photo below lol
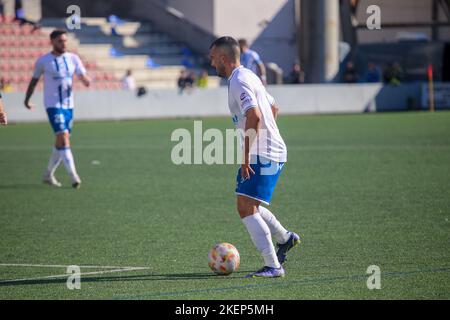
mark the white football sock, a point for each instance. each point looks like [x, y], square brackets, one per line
[278, 231]
[53, 162]
[69, 163]
[260, 234]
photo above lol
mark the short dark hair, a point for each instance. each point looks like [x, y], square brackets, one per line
[243, 42]
[230, 45]
[56, 33]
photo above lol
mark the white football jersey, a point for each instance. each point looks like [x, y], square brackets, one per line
[58, 74]
[246, 91]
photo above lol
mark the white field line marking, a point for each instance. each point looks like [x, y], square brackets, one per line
[81, 274]
[60, 266]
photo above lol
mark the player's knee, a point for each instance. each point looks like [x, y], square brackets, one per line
[240, 211]
[62, 140]
[245, 209]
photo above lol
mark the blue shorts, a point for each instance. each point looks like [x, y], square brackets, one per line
[60, 119]
[261, 185]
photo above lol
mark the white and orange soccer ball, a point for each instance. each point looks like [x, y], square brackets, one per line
[224, 259]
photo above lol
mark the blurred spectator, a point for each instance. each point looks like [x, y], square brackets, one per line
[393, 74]
[128, 82]
[20, 15]
[141, 91]
[2, 11]
[202, 81]
[373, 73]
[353, 11]
[182, 81]
[190, 80]
[350, 74]
[114, 21]
[5, 85]
[185, 81]
[296, 76]
[250, 59]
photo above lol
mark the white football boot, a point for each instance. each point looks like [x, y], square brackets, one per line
[51, 180]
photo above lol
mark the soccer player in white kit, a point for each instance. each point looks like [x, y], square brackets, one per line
[59, 68]
[254, 110]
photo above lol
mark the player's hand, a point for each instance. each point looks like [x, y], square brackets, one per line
[246, 171]
[28, 105]
[3, 118]
[86, 80]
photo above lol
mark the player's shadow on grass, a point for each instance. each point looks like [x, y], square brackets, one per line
[138, 277]
[31, 186]
[22, 186]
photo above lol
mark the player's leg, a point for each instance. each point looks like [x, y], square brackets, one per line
[63, 146]
[53, 163]
[55, 157]
[260, 235]
[286, 240]
[277, 230]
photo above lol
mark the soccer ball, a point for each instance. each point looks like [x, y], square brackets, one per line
[224, 259]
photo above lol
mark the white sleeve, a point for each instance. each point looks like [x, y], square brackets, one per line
[38, 69]
[271, 99]
[79, 67]
[245, 96]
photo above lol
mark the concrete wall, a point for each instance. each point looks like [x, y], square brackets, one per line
[292, 99]
[199, 12]
[247, 19]
[268, 25]
[277, 41]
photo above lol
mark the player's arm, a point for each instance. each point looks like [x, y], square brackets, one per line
[261, 67]
[252, 120]
[275, 111]
[30, 90]
[3, 118]
[262, 72]
[81, 71]
[38, 71]
[85, 79]
[273, 105]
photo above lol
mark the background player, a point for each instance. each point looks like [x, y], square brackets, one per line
[252, 108]
[58, 68]
[250, 59]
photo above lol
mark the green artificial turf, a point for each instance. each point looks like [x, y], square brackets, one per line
[361, 190]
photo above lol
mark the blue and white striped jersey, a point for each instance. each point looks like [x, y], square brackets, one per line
[58, 74]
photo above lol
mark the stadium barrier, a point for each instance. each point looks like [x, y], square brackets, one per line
[292, 99]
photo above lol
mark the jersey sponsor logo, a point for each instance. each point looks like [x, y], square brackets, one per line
[243, 95]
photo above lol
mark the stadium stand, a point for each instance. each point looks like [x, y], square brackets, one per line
[20, 47]
[107, 50]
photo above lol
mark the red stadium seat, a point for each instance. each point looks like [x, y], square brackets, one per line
[14, 78]
[23, 78]
[44, 42]
[13, 54]
[5, 67]
[8, 18]
[14, 67]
